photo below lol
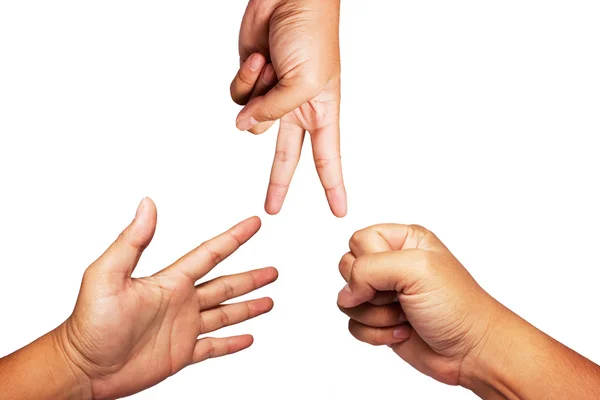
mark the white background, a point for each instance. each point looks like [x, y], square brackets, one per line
[478, 120]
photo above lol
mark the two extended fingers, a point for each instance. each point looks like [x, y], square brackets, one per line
[326, 154]
[219, 316]
[256, 86]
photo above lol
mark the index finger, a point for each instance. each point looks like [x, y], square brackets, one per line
[205, 257]
[391, 271]
[368, 241]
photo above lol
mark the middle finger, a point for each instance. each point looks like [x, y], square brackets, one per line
[218, 290]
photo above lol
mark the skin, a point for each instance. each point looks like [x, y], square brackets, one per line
[446, 326]
[290, 71]
[126, 334]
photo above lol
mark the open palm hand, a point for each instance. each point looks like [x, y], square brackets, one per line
[128, 334]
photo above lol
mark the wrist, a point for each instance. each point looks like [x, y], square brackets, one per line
[483, 370]
[78, 381]
[42, 370]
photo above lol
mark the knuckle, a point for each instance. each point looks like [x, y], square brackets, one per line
[428, 259]
[245, 78]
[378, 337]
[201, 323]
[228, 289]
[278, 185]
[224, 318]
[285, 156]
[215, 257]
[311, 84]
[235, 237]
[259, 129]
[202, 303]
[132, 239]
[255, 284]
[212, 349]
[361, 267]
[358, 238]
[322, 163]
[344, 264]
[419, 231]
[268, 114]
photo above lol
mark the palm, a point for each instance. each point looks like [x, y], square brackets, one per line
[149, 329]
[317, 113]
[128, 334]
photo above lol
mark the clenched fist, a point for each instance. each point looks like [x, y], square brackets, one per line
[406, 290]
[441, 314]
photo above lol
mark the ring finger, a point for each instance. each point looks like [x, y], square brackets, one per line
[231, 314]
[379, 336]
[216, 291]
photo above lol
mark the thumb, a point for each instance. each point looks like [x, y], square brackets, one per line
[368, 241]
[389, 271]
[283, 98]
[121, 258]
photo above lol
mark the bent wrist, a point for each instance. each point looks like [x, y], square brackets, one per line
[485, 371]
[78, 383]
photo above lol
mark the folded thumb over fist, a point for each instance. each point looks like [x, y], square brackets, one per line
[440, 316]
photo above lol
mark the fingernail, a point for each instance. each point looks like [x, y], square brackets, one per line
[247, 124]
[401, 333]
[141, 207]
[345, 297]
[255, 63]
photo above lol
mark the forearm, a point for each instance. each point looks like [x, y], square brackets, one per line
[41, 370]
[518, 361]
